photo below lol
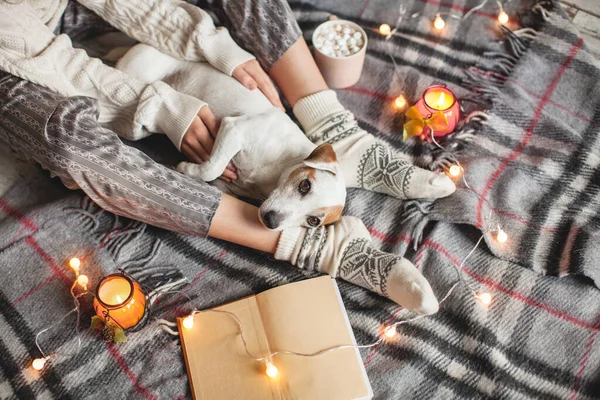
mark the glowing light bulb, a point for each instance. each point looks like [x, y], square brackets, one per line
[503, 17]
[385, 29]
[188, 322]
[83, 280]
[501, 236]
[75, 263]
[271, 370]
[400, 102]
[390, 332]
[439, 23]
[454, 171]
[485, 298]
[38, 364]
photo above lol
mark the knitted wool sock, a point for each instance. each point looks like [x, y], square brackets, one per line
[366, 162]
[344, 250]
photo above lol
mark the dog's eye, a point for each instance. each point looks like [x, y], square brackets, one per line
[313, 221]
[304, 187]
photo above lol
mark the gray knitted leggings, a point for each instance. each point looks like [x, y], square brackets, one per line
[265, 28]
[63, 135]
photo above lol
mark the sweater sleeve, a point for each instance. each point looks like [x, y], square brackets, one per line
[174, 27]
[128, 106]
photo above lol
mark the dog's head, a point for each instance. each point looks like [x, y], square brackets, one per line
[313, 194]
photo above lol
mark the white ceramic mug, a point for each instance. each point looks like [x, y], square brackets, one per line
[341, 72]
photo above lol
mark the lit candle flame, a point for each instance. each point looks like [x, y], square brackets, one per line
[440, 101]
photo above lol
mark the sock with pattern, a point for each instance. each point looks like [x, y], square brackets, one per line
[366, 162]
[344, 250]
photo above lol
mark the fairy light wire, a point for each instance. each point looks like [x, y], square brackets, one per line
[77, 309]
[165, 324]
[270, 356]
[402, 11]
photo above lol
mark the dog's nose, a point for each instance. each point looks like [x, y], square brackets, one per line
[272, 219]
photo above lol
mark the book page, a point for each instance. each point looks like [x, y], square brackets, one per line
[218, 366]
[306, 317]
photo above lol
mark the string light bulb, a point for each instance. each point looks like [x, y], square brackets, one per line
[485, 298]
[385, 29]
[400, 102]
[188, 322]
[75, 263]
[38, 364]
[501, 236]
[438, 22]
[454, 171]
[503, 17]
[390, 332]
[83, 280]
[271, 370]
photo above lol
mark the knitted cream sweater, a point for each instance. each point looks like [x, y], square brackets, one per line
[30, 50]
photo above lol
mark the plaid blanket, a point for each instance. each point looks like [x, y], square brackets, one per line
[535, 161]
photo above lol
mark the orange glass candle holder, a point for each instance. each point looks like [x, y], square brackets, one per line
[121, 300]
[435, 99]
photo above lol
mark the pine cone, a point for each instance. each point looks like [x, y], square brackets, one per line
[107, 333]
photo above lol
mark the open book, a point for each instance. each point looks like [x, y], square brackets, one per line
[304, 317]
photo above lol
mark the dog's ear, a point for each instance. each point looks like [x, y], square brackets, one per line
[323, 157]
[332, 214]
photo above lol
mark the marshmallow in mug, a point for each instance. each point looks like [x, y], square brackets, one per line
[339, 40]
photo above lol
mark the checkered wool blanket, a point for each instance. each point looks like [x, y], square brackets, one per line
[533, 155]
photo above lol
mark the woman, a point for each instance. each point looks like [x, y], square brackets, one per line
[48, 112]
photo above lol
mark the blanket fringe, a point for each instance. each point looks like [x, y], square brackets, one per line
[415, 219]
[485, 80]
[125, 241]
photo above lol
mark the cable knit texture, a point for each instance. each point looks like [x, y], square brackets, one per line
[29, 49]
[344, 250]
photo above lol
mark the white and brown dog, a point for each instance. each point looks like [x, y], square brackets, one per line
[300, 183]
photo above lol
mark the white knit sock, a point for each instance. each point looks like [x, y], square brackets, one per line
[344, 249]
[365, 161]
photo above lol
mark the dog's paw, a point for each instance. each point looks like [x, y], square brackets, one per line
[184, 168]
[204, 172]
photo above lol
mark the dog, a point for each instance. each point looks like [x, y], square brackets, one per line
[301, 183]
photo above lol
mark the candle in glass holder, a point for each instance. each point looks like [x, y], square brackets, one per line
[435, 99]
[121, 299]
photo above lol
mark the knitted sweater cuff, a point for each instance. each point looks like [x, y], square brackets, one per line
[173, 112]
[312, 109]
[224, 54]
[287, 244]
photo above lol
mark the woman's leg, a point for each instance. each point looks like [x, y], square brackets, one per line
[63, 135]
[297, 74]
[265, 28]
[269, 30]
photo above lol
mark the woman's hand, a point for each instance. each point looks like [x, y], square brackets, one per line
[198, 141]
[251, 75]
